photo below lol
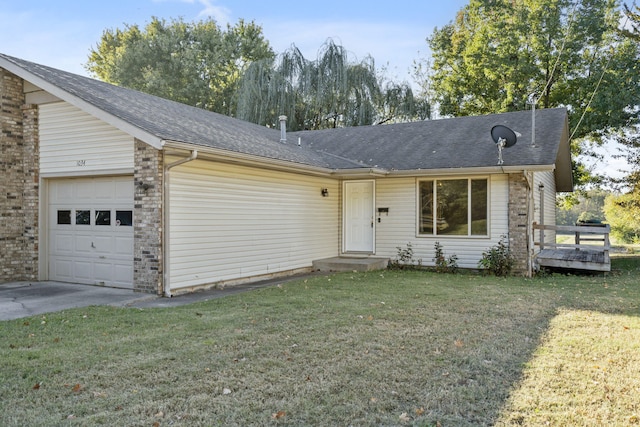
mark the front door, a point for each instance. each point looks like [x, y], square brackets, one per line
[359, 225]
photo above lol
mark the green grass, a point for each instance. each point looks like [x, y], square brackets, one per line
[383, 348]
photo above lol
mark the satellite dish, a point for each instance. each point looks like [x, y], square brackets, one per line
[504, 138]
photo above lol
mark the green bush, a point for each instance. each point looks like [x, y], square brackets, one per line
[497, 260]
[623, 215]
[404, 259]
[444, 265]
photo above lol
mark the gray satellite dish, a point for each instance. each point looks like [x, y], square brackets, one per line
[504, 138]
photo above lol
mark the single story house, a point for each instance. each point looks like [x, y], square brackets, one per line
[110, 186]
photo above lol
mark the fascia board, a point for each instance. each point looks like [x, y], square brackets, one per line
[486, 170]
[225, 156]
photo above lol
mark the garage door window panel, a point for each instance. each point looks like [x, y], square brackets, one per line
[103, 217]
[83, 217]
[64, 217]
[124, 218]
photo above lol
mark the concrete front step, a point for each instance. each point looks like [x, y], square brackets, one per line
[350, 264]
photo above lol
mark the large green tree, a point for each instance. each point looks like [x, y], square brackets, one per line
[629, 138]
[331, 91]
[623, 210]
[568, 53]
[196, 63]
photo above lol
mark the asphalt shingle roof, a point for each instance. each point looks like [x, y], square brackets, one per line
[173, 121]
[463, 142]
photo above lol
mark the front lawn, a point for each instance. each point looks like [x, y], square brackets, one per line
[378, 348]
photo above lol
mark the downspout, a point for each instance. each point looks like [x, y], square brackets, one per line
[531, 208]
[165, 220]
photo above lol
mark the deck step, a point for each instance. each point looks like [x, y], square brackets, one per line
[350, 264]
[574, 259]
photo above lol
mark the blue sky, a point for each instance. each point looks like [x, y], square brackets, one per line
[60, 33]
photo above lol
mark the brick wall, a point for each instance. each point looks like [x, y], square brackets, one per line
[147, 248]
[519, 222]
[19, 182]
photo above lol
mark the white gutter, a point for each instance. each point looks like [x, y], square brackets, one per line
[360, 172]
[165, 220]
[226, 156]
[469, 171]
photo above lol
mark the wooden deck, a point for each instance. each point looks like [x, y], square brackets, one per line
[593, 256]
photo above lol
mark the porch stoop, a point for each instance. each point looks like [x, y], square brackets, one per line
[350, 264]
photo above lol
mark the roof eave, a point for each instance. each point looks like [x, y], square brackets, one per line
[80, 103]
[226, 156]
[482, 170]
[363, 172]
[564, 173]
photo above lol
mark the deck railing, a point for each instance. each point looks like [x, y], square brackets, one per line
[600, 231]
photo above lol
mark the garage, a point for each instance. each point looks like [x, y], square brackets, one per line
[90, 236]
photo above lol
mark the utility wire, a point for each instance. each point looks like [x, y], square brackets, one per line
[564, 41]
[606, 68]
[591, 99]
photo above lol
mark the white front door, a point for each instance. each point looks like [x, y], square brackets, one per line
[90, 223]
[359, 225]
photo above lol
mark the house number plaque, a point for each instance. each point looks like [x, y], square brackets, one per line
[81, 163]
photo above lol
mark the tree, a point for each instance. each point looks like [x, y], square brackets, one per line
[621, 212]
[328, 92]
[630, 138]
[633, 16]
[194, 63]
[568, 53]
[589, 207]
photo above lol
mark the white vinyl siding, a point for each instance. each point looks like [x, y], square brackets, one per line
[73, 142]
[231, 222]
[399, 227]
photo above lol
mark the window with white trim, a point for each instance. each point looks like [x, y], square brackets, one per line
[453, 207]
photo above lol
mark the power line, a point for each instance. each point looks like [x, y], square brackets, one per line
[606, 68]
[564, 41]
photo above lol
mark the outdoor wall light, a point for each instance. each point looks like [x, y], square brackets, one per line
[324, 192]
[144, 186]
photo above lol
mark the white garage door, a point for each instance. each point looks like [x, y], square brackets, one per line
[91, 231]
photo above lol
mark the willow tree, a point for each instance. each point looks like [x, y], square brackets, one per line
[195, 63]
[330, 91]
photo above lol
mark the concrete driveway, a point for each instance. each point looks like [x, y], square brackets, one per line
[23, 299]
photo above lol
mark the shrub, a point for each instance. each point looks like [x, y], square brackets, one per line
[497, 259]
[404, 259]
[444, 265]
[621, 212]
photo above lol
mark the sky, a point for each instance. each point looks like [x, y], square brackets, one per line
[61, 33]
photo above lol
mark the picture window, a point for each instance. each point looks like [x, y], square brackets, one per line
[453, 207]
